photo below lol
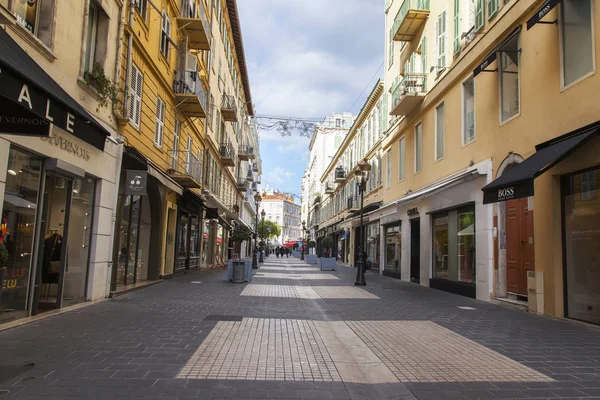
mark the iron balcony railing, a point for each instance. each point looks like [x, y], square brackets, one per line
[184, 162]
[255, 167]
[353, 202]
[405, 7]
[188, 82]
[228, 108]
[191, 10]
[340, 175]
[242, 184]
[227, 151]
[409, 84]
[246, 151]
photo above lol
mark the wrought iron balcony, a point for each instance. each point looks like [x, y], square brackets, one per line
[353, 203]
[193, 22]
[190, 95]
[408, 93]
[245, 152]
[328, 188]
[340, 175]
[185, 169]
[228, 108]
[227, 154]
[255, 167]
[242, 184]
[250, 176]
[411, 17]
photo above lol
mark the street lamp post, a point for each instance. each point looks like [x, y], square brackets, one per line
[303, 239]
[362, 176]
[257, 200]
[262, 214]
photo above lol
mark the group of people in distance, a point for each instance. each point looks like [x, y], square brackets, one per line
[282, 251]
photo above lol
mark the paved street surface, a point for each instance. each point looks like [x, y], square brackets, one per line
[295, 332]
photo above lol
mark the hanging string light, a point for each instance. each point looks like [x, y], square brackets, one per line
[286, 126]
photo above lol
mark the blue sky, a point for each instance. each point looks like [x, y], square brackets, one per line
[308, 59]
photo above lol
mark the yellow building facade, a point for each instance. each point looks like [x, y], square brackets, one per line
[494, 95]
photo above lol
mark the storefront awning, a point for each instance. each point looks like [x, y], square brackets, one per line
[508, 45]
[39, 100]
[164, 179]
[517, 182]
[541, 13]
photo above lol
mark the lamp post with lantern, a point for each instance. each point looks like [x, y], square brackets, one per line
[257, 200]
[362, 176]
[262, 215]
[303, 239]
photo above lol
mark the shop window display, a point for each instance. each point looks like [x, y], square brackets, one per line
[393, 248]
[17, 231]
[454, 245]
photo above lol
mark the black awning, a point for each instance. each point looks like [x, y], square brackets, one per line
[542, 12]
[507, 45]
[211, 213]
[25, 83]
[517, 182]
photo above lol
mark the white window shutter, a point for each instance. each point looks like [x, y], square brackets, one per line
[132, 93]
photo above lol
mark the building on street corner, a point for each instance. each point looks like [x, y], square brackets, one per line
[486, 191]
[59, 152]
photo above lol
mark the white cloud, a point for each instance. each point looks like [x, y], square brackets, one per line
[278, 177]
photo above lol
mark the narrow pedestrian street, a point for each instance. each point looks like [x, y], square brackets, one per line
[298, 332]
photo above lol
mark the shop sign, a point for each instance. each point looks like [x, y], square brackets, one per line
[15, 278]
[15, 119]
[136, 182]
[412, 212]
[67, 145]
[506, 193]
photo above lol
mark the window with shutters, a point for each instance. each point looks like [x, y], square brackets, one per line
[492, 8]
[391, 48]
[165, 37]
[424, 55]
[508, 74]
[468, 111]
[384, 113]
[388, 170]
[188, 156]
[441, 41]
[135, 96]
[379, 168]
[479, 14]
[401, 159]
[175, 155]
[141, 7]
[440, 132]
[160, 122]
[418, 147]
[456, 38]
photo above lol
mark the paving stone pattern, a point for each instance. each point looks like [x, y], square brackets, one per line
[136, 346]
[276, 275]
[307, 292]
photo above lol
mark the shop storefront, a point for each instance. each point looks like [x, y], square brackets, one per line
[454, 250]
[189, 232]
[372, 240]
[56, 192]
[560, 181]
[393, 250]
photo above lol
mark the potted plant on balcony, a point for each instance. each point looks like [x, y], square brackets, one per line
[238, 269]
[327, 262]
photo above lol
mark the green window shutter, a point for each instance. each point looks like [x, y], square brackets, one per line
[479, 14]
[384, 116]
[456, 26]
[424, 54]
[492, 6]
[391, 48]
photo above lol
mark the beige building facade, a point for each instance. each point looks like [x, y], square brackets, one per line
[495, 93]
[58, 152]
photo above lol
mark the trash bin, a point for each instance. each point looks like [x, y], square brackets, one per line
[238, 271]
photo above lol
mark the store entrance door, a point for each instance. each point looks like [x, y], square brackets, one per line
[519, 245]
[415, 250]
[52, 239]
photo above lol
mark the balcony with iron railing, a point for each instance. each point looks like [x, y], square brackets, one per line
[190, 96]
[340, 175]
[193, 23]
[250, 176]
[329, 188]
[245, 152]
[410, 19]
[353, 203]
[185, 169]
[255, 167]
[228, 108]
[227, 154]
[242, 184]
[408, 93]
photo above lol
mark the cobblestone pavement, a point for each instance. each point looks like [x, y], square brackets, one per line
[287, 336]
